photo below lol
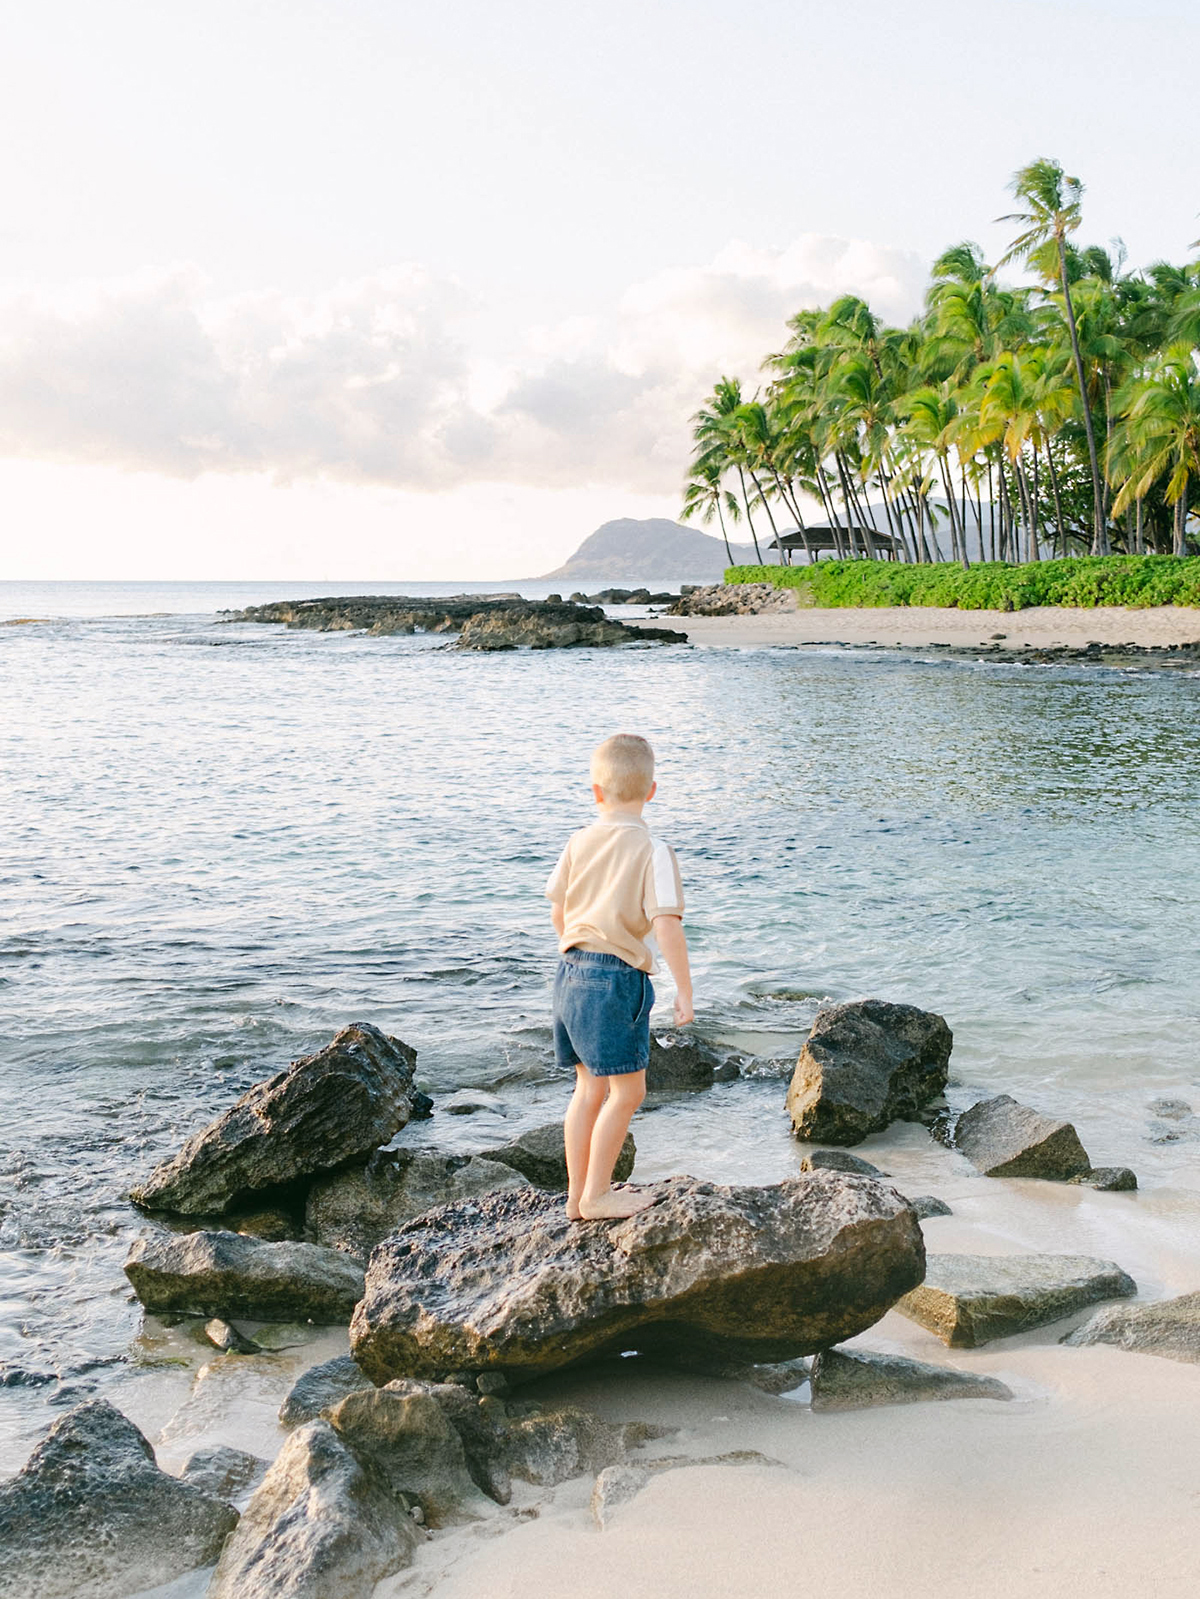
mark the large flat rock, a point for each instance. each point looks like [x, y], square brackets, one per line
[323, 1111]
[356, 1209]
[508, 1284]
[865, 1065]
[1004, 1138]
[857, 1379]
[1170, 1328]
[91, 1516]
[970, 1299]
[228, 1274]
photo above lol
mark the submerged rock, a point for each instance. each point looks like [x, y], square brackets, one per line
[402, 1435]
[1170, 1328]
[324, 1110]
[320, 1526]
[839, 1160]
[320, 1387]
[680, 1062]
[555, 627]
[615, 1487]
[927, 1205]
[356, 1209]
[91, 1516]
[228, 1339]
[228, 1275]
[855, 1379]
[1004, 1138]
[1108, 1179]
[864, 1065]
[968, 1300]
[541, 1155]
[222, 1471]
[507, 1283]
[547, 1447]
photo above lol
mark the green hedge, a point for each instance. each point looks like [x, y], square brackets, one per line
[1136, 580]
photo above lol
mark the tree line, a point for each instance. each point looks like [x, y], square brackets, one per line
[1060, 418]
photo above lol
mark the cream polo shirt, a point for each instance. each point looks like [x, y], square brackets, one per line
[612, 880]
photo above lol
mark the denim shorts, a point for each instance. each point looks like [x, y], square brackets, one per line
[601, 1014]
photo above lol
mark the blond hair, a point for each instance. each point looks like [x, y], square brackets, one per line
[623, 766]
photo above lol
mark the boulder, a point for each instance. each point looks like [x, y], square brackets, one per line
[320, 1387]
[356, 1209]
[319, 1526]
[228, 1339]
[402, 1436]
[547, 1447]
[680, 1062]
[839, 1160]
[226, 1274]
[507, 1283]
[864, 1065]
[324, 1110]
[927, 1205]
[1108, 1179]
[1170, 1327]
[554, 627]
[222, 1472]
[541, 1155]
[91, 1516]
[615, 1487]
[970, 1299]
[1004, 1138]
[854, 1379]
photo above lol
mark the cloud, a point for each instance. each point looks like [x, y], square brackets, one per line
[383, 380]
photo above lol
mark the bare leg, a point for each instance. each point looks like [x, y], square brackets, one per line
[577, 1133]
[598, 1201]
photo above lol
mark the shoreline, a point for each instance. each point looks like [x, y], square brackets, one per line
[1002, 632]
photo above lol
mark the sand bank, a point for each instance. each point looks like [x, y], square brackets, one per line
[1041, 628]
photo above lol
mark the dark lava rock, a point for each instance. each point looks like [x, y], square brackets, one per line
[864, 1065]
[356, 1209]
[1170, 1328]
[1006, 1139]
[507, 1283]
[324, 1110]
[678, 1062]
[839, 1160]
[853, 1379]
[222, 1472]
[927, 1205]
[1109, 1179]
[320, 1526]
[733, 599]
[91, 1516]
[226, 1274]
[320, 1387]
[970, 1299]
[541, 1155]
[555, 627]
[403, 1437]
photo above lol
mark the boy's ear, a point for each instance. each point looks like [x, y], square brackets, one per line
[597, 794]
[652, 793]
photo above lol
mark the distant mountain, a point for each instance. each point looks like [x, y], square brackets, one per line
[629, 550]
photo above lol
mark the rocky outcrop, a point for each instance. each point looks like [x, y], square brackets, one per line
[1170, 1327]
[864, 1065]
[401, 1434]
[540, 1155]
[226, 1274]
[678, 1062]
[321, 1387]
[855, 1379]
[506, 1283]
[1004, 1138]
[968, 1300]
[623, 597]
[734, 599]
[839, 1160]
[91, 1516]
[555, 627]
[319, 1525]
[323, 1111]
[355, 1209]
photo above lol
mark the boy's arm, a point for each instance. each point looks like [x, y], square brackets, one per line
[557, 916]
[672, 942]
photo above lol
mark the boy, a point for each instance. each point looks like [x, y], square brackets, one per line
[613, 884]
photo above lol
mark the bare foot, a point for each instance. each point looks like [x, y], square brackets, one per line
[614, 1205]
[573, 1211]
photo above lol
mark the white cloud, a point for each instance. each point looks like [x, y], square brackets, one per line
[387, 380]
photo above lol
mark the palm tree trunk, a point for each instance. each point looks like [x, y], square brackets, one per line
[830, 510]
[1035, 553]
[749, 518]
[724, 534]
[1058, 516]
[1099, 533]
[958, 542]
[765, 503]
[787, 494]
[1179, 544]
[1140, 533]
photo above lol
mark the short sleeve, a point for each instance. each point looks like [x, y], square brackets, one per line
[556, 883]
[663, 892]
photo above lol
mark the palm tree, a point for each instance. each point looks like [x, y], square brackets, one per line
[1054, 204]
[715, 432]
[703, 496]
[1159, 437]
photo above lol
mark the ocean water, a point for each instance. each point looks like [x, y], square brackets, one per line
[222, 842]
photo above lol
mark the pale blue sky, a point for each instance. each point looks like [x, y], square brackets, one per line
[525, 231]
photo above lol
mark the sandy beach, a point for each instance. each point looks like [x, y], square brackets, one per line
[1039, 628]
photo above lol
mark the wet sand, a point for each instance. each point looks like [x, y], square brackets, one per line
[1042, 627]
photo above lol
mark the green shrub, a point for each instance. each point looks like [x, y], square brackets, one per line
[1134, 580]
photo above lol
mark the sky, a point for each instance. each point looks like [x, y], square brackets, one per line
[378, 289]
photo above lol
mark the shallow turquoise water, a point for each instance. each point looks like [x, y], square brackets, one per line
[222, 842]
